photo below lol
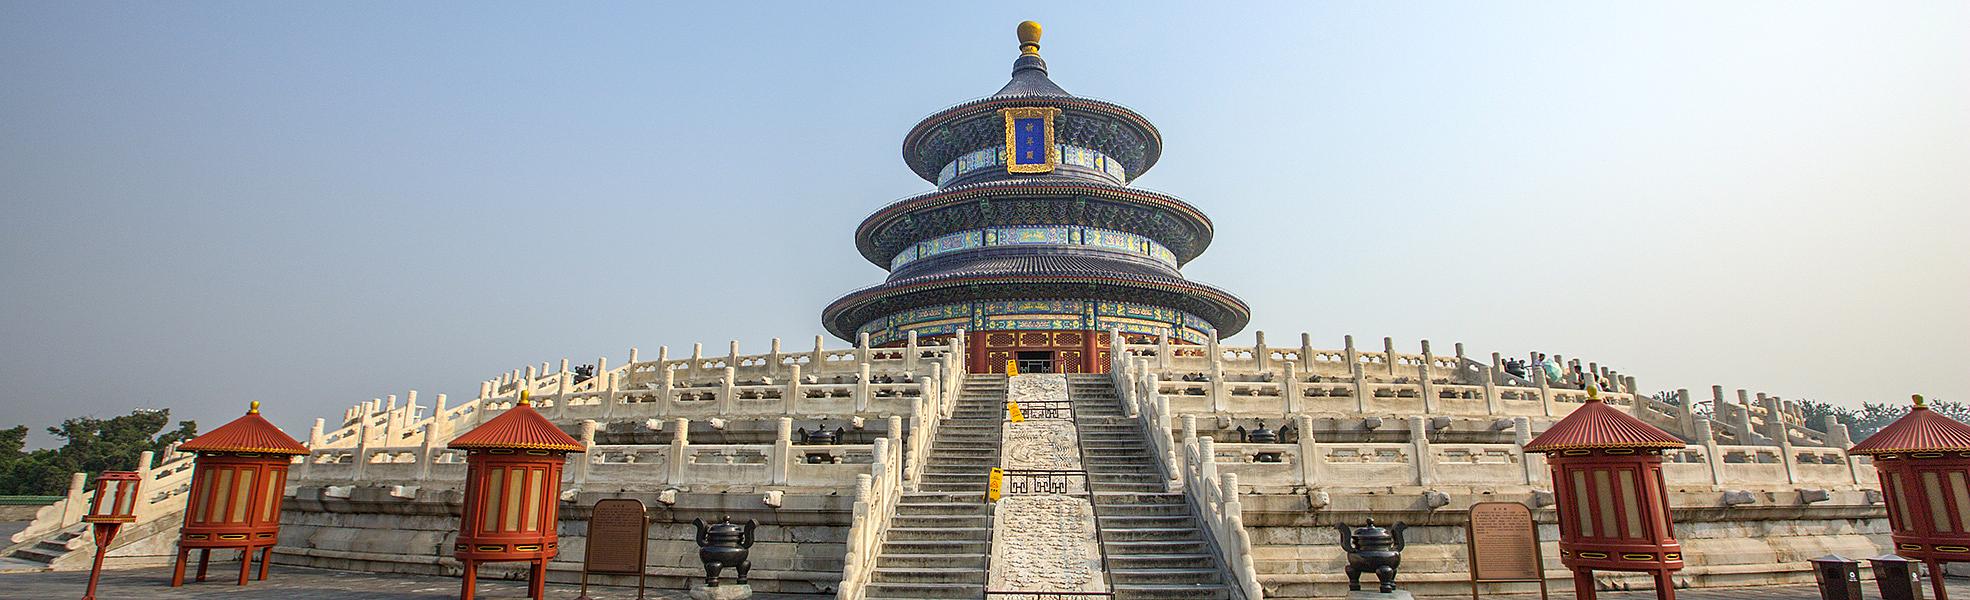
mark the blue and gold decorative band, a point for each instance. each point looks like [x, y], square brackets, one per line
[995, 157]
[1055, 314]
[1060, 235]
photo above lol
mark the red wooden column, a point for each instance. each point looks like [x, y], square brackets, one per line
[238, 479]
[512, 494]
[1924, 463]
[1612, 501]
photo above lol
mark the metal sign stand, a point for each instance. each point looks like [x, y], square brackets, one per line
[1503, 525]
[613, 524]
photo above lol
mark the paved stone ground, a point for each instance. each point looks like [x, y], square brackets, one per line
[296, 583]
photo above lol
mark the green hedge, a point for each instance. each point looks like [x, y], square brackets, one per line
[28, 500]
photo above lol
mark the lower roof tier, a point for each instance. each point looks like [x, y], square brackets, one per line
[1026, 275]
[1034, 314]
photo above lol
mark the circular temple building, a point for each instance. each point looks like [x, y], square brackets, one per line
[1033, 242]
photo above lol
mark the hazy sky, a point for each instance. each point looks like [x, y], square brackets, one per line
[316, 204]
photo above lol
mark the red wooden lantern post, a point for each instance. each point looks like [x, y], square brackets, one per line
[1924, 462]
[512, 493]
[238, 480]
[115, 504]
[1612, 501]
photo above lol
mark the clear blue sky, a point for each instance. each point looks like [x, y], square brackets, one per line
[316, 204]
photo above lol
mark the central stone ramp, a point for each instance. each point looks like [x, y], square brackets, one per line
[1155, 546]
[938, 541]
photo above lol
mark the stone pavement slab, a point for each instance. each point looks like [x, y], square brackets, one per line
[298, 583]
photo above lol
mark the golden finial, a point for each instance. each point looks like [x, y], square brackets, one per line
[253, 408]
[1593, 393]
[1029, 38]
[1920, 404]
[526, 399]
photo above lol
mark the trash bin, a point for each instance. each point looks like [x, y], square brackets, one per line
[1839, 577]
[1899, 578]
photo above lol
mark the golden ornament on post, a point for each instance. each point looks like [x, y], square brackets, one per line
[1029, 38]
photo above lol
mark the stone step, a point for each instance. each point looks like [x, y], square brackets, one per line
[1130, 487]
[1162, 561]
[933, 575]
[1137, 498]
[939, 533]
[941, 521]
[971, 561]
[1156, 547]
[1171, 592]
[1163, 576]
[906, 508]
[965, 591]
[962, 477]
[977, 488]
[1141, 510]
[1151, 521]
[1150, 534]
[936, 547]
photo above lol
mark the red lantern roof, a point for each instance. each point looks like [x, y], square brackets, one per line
[520, 428]
[1597, 424]
[250, 433]
[1921, 430]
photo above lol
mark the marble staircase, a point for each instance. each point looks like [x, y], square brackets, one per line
[940, 537]
[1155, 547]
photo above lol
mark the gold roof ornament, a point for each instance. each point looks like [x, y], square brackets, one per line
[1920, 404]
[253, 408]
[525, 398]
[1029, 38]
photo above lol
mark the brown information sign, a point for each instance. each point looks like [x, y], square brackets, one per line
[617, 528]
[1504, 545]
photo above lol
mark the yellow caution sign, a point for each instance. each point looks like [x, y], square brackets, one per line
[1012, 368]
[1013, 413]
[997, 483]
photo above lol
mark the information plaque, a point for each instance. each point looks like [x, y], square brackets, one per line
[1504, 545]
[617, 528]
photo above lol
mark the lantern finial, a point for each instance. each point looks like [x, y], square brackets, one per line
[525, 398]
[1920, 404]
[253, 408]
[1029, 38]
[1593, 393]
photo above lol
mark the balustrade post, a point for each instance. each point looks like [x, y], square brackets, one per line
[1312, 464]
[1306, 351]
[1347, 345]
[1163, 347]
[588, 453]
[910, 353]
[1428, 387]
[732, 355]
[1710, 453]
[819, 357]
[1533, 470]
[1360, 387]
[773, 366]
[862, 347]
[1419, 439]
[1492, 405]
[1545, 390]
[1388, 355]
[73, 503]
[667, 392]
[680, 451]
[727, 396]
[792, 397]
[862, 388]
[1259, 351]
[780, 461]
[1290, 388]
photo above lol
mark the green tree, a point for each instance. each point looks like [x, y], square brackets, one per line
[90, 445]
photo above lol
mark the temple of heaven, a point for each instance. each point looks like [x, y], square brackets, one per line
[1033, 243]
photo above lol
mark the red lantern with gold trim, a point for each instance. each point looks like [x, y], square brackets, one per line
[512, 494]
[1613, 503]
[1923, 459]
[238, 479]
